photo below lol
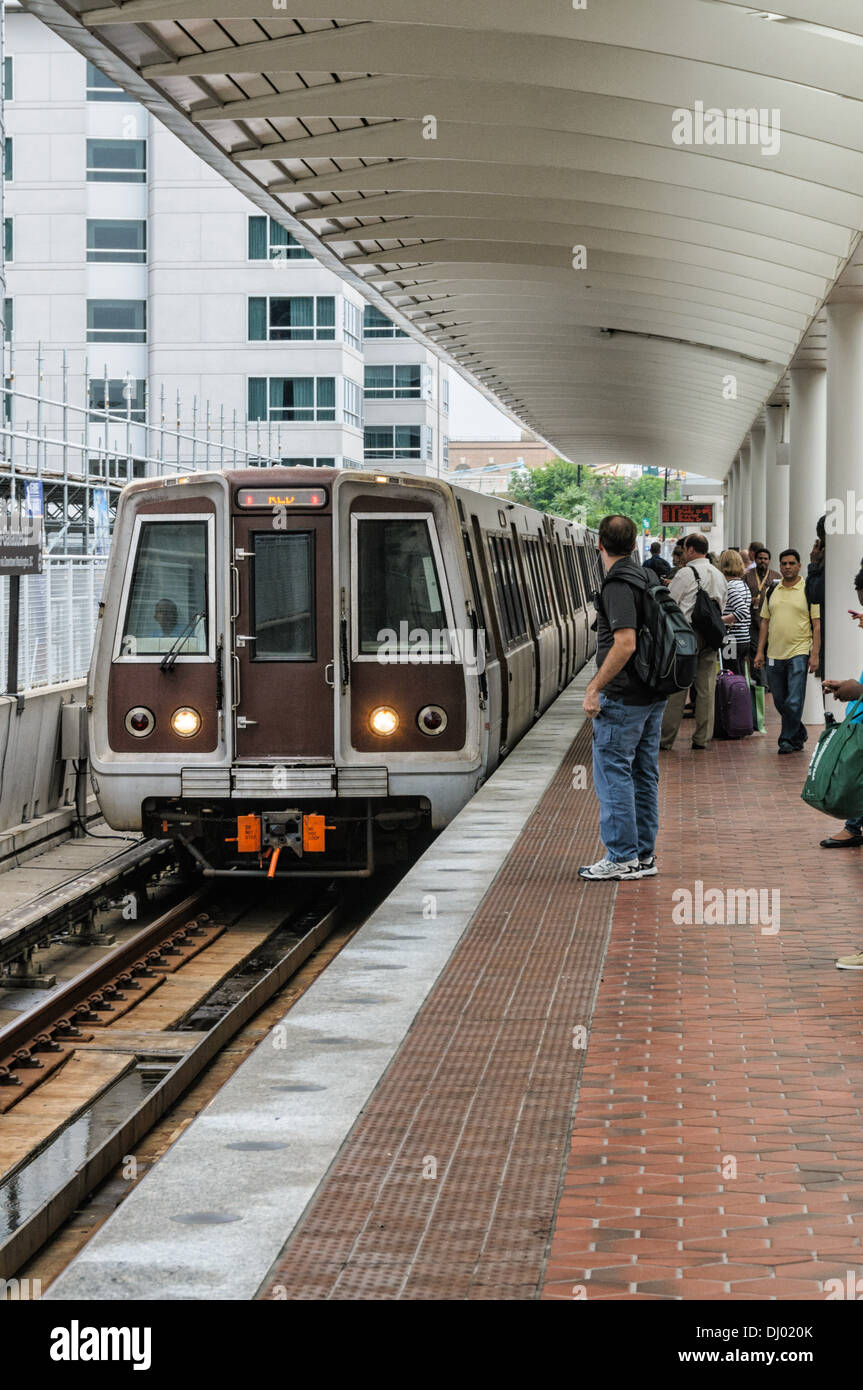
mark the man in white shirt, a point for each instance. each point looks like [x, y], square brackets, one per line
[684, 589]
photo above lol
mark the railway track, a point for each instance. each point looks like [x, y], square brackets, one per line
[245, 947]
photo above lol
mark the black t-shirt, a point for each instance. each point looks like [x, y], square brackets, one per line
[658, 565]
[619, 605]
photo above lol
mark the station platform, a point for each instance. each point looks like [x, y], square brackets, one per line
[514, 1085]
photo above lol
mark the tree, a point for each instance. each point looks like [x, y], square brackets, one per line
[555, 488]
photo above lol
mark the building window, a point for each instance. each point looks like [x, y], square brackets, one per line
[398, 442]
[101, 88]
[308, 462]
[353, 403]
[396, 383]
[444, 444]
[116, 241]
[353, 324]
[8, 320]
[377, 325]
[291, 399]
[445, 394]
[116, 321]
[8, 81]
[297, 319]
[269, 241]
[116, 401]
[116, 161]
[8, 162]
[8, 239]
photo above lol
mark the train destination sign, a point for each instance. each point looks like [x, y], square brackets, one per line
[290, 497]
[686, 513]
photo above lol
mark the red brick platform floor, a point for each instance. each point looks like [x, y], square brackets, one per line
[717, 1149]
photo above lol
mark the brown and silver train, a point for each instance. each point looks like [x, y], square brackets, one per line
[306, 671]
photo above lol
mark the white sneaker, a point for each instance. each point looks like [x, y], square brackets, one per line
[854, 962]
[648, 867]
[607, 869]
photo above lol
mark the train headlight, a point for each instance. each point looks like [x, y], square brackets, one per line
[383, 720]
[432, 720]
[185, 721]
[140, 721]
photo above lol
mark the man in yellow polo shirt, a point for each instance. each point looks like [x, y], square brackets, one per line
[791, 637]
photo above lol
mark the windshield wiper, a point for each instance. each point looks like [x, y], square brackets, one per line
[168, 660]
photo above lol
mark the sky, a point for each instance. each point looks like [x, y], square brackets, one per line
[471, 416]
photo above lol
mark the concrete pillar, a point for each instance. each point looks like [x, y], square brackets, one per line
[844, 485]
[778, 477]
[807, 484]
[734, 474]
[758, 485]
[808, 467]
[744, 512]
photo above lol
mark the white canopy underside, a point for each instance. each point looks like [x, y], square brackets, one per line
[452, 159]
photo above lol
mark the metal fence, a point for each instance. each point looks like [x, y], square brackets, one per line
[80, 458]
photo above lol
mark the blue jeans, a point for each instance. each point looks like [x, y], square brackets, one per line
[788, 687]
[626, 777]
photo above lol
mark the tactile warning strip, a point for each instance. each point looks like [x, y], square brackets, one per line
[447, 1186]
[718, 1146]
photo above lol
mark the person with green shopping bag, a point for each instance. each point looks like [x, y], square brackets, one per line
[843, 691]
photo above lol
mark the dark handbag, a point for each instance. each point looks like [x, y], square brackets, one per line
[706, 618]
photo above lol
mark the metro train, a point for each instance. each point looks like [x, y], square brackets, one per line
[303, 672]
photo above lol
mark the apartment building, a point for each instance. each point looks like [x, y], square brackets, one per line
[166, 289]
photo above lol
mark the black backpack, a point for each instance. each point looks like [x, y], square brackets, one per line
[707, 617]
[666, 650]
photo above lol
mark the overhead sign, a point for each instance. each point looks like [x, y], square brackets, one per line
[686, 513]
[290, 497]
[20, 542]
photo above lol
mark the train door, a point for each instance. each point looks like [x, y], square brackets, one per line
[283, 636]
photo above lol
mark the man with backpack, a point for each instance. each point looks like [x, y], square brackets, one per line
[643, 649]
[656, 563]
[700, 590]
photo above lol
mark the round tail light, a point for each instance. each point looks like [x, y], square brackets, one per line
[432, 720]
[140, 721]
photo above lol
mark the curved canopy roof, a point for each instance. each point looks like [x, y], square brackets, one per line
[516, 181]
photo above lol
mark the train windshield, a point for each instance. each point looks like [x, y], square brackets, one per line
[168, 594]
[400, 605]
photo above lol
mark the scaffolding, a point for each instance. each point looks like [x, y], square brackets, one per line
[66, 461]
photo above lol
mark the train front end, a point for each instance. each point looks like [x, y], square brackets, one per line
[287, 676]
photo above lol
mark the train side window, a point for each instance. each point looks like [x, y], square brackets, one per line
[536, 581]
[553, 556]
[167, 601]
[585, 570]
[400, 605]
[283, 598]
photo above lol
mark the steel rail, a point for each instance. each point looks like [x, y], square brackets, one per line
[36, 1229]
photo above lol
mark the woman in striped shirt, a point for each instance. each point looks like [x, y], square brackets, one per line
[737, 606]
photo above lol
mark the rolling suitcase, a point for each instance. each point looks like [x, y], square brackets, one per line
[733, 709]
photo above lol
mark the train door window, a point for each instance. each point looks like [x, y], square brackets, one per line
[168, 596]
[585, 571]
[542, 581]
[514, 585]
[504, 597]
[557, 575]
[401, 603]
[536, 585]
[283, 596]
[569, 565]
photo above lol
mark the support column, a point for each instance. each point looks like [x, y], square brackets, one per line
[744, 512]
[808, 452]
[778, 477]
[728, 509]
[844, 648]
[758, 484]
[807, 484]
